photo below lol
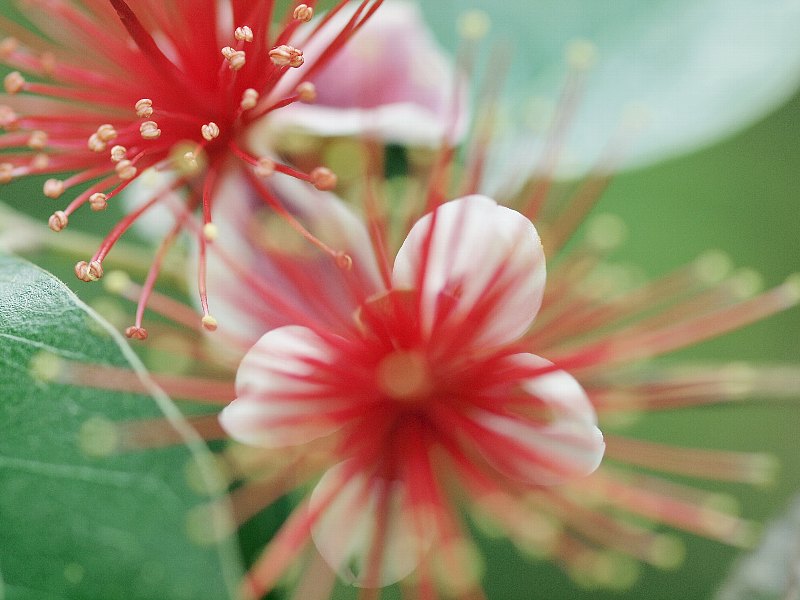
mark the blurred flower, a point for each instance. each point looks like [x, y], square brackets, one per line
[393, 82]
[110, 91]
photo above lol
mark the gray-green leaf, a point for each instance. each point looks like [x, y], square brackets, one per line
[78, 519]
[701, 68]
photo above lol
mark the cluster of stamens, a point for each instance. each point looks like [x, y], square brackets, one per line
[119, 152]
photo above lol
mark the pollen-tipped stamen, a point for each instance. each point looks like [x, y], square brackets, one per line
[342, 259]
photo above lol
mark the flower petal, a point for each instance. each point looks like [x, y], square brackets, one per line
[392, 81]
[365, 519]
[299, 283]
[486, 259]
[279, 401]
[567, 444]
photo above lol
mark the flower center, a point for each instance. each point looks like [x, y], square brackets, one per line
[404, 375]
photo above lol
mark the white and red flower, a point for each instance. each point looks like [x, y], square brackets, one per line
[425, 387]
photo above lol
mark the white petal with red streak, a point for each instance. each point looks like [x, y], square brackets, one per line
[566, 445]
[487, 256]
[278, 403]
[347, 532]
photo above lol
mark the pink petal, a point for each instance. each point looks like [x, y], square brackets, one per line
[392, 80]
[567, 444]
[299, 283]
[365, 521]
[278, 401]
[487, 259]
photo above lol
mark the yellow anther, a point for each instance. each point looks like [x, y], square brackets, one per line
[303, 12]
[106, 132]
[265, 167]
[249, 99]
[118, 153]
[125, 169]
[243, 34]
[306, 92]
[286, 56]
[98, 201]
[53, 188]
[95, 270]
[37, 140]
[210, 131]
[323, 178]
[95, 144]
[136, 333]
[57, 221]
[88, 271]
[235, 58]
[144, 108]
[209, 323]
[210, 232]
[82, 270]
[14, 82]
[150, 130]
[344, 261]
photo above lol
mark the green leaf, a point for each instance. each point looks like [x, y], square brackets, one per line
[79, 519]
[700, 68]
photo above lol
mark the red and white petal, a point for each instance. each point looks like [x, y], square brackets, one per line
[298, 283]
[559, 441]
[365, 531]
[483, 258]
[279, 401]
[392, 81]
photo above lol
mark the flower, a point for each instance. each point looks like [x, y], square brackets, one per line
[463, 286]
[110, 91]
[305, 417]
[426, 381]
[594, 322]
[393, 82]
